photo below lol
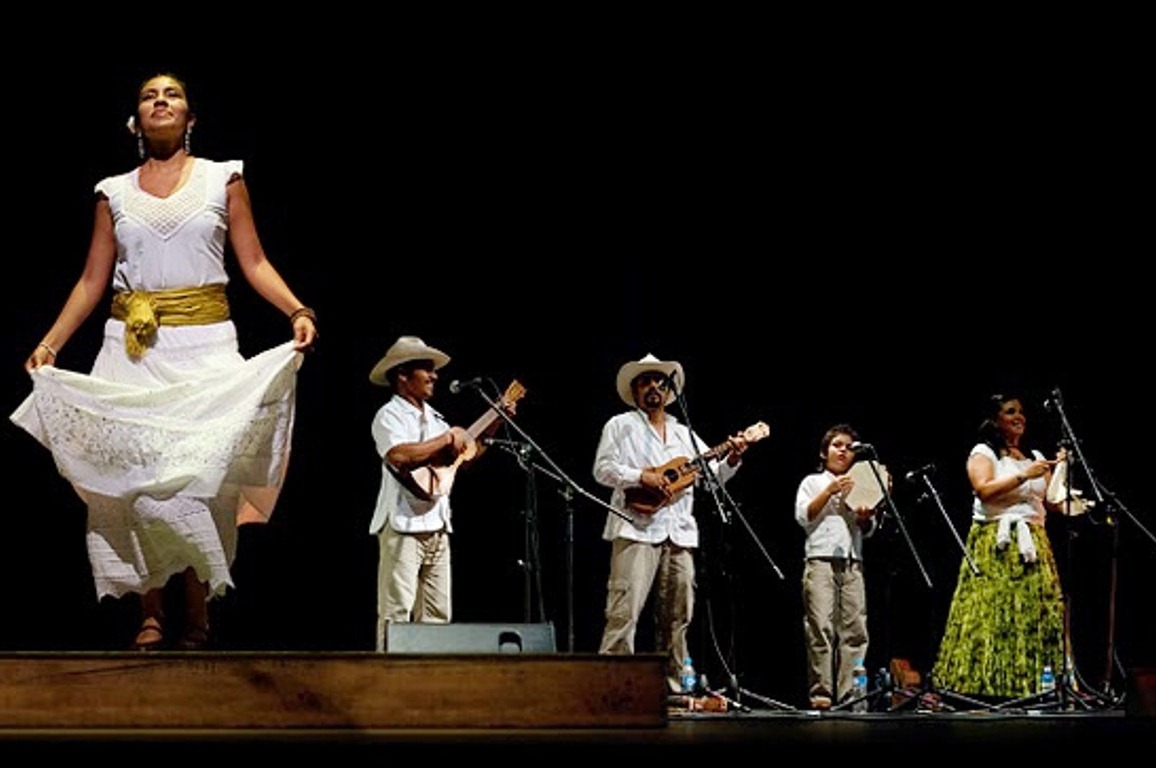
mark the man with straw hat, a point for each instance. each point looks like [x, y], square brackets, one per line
[412, 519]
[656, 549]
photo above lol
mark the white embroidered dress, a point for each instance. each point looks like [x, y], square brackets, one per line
[172, 451]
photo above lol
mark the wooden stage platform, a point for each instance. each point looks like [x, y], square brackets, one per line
[357, 691]
[556, 705]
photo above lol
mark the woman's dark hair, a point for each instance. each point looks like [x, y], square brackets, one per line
[179, 80]
[829, 435]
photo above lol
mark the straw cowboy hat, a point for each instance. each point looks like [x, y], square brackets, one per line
[628, 372]
[404, 350]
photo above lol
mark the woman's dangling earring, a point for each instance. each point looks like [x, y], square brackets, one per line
[188, 141]
[140, 147]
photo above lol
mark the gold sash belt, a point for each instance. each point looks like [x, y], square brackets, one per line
[143, 311]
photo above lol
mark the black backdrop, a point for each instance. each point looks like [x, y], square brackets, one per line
[864, 240]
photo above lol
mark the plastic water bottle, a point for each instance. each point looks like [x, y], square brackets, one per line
[688, 678]
[1047, 680]
[859, 687]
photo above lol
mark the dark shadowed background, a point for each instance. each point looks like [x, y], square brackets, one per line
[883, 239]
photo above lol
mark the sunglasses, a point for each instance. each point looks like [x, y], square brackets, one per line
[646, 379]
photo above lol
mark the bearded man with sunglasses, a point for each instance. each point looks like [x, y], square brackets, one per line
[654, 533]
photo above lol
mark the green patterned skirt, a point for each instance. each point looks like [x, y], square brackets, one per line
[1005, 624]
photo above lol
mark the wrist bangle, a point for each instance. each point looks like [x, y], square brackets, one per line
[47, 346]
[306, 311]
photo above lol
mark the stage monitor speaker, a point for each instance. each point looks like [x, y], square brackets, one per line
[469, 638]
[1141, 692]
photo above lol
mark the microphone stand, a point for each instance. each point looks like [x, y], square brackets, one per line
[710, 481]
[928, 687]
[889, 508]
[531, 562]
[1106, 502]
[933, 494]
[1067, 693]
[568, 504]
[570, 487]
[727, 509]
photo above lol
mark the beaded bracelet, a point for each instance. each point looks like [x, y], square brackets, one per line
[306, 311]
[45, 344]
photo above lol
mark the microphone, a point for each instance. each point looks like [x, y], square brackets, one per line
[916, 475]
[457, 385]
[1054, 402]
[500, 441]
[861, 449]
[522, 449]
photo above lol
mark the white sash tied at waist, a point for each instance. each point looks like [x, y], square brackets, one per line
[1016, 522]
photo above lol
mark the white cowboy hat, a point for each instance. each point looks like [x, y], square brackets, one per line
[405, 349]
[628, 372]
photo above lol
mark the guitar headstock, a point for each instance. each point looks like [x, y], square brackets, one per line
[756, 432]
[513, 393]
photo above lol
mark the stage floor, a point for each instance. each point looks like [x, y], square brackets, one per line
[906, 736]
[192, 705]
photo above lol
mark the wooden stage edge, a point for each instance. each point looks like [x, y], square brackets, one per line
[355, 691]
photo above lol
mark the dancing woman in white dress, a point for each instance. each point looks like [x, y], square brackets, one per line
[173, 438]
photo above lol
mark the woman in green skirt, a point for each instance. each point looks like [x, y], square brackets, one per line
[1006, 622]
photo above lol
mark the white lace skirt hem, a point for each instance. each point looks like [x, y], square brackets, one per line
[171, 452]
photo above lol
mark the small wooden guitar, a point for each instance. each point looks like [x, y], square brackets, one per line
[435, 479]
[680, 472]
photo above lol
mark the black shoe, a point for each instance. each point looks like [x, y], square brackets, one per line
[194, 639]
